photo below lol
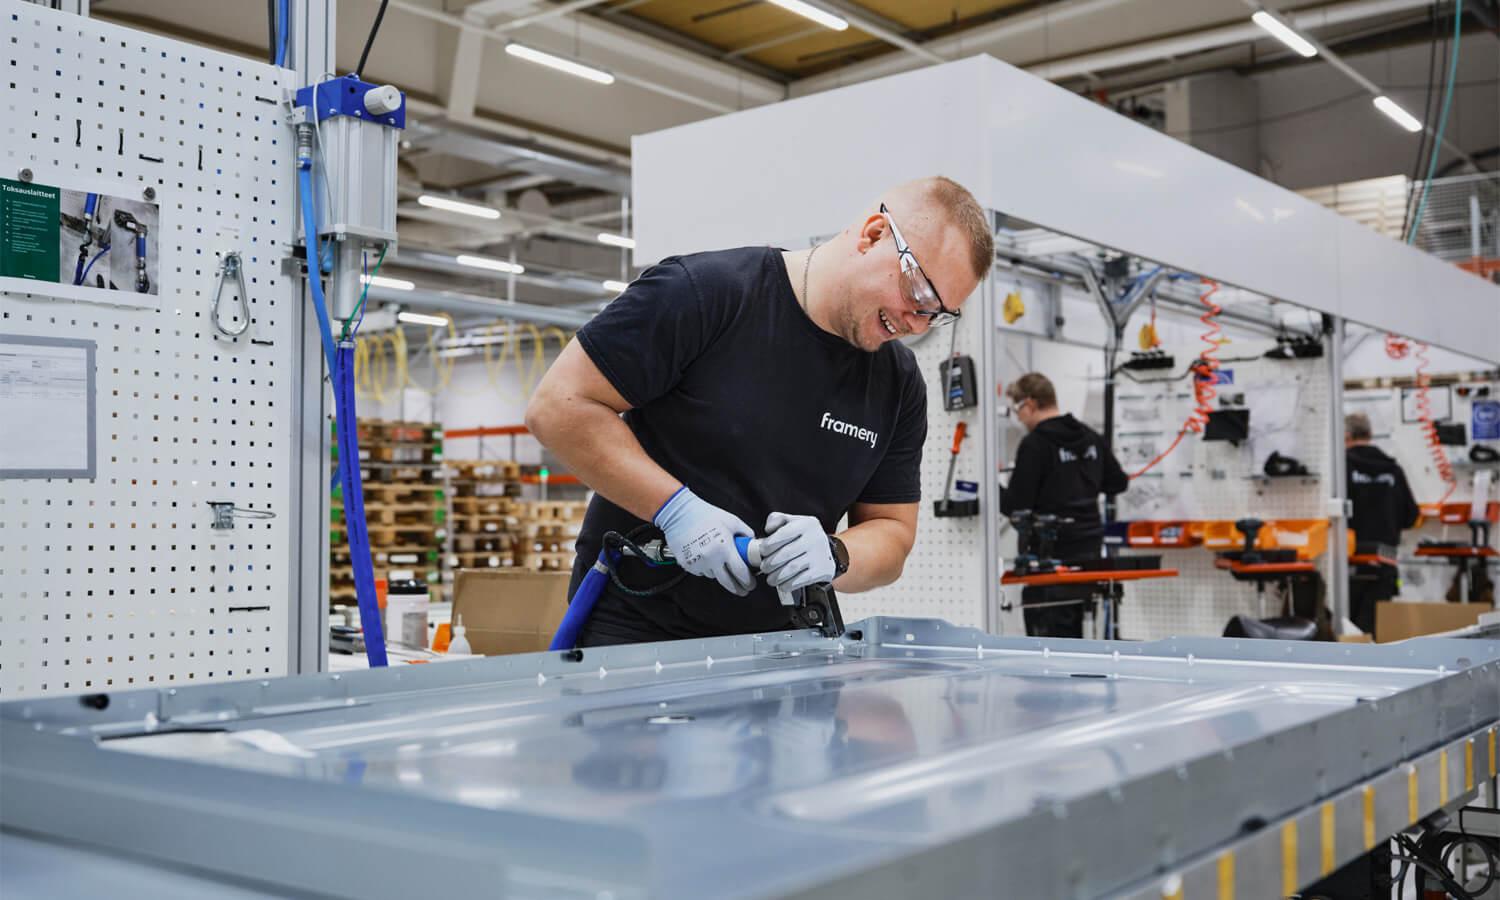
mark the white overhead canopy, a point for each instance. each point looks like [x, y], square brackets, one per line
[811, 166]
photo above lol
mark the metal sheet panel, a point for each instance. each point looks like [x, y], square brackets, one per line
[918, 759]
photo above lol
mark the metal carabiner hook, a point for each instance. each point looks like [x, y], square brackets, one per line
[231, 267]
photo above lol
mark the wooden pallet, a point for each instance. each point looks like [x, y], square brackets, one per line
[397, 453]
[484, 524]
[412, 476]
[484, 506]
[563, 510]
[547, 562]
[485, 543]
[483, 470]
[399, 492]
[504, 560]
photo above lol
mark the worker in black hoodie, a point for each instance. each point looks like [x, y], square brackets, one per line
[1382, 507]
[1061, 468]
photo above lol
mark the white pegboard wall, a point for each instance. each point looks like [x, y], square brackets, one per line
[119, 581]
[1289, 411]
[944, 575]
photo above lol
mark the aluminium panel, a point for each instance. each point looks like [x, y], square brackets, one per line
[919, 759]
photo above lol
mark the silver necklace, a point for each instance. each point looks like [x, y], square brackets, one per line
[806, 267]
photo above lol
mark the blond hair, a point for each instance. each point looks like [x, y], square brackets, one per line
[965, 214]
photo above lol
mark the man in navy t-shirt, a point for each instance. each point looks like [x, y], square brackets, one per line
[761, 392]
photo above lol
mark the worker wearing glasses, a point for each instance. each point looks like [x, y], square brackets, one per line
[761, 392]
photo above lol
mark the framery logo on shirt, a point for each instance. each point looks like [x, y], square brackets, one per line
[848, 429]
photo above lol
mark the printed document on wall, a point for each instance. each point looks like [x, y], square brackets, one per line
[47, 401]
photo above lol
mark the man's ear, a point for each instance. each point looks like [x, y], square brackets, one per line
[871, 232]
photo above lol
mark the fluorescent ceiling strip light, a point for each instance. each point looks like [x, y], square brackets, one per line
[615, 286]
[399, 284]
[1398, 115]
[495, 265]
[421, 319]
[1283, 32]
[616, 240]
[808, 11]
[447, 204]
[560, 63]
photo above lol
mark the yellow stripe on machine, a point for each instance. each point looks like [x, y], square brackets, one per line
[1326, 827]
[1369, 793]
[1469, 764]
[1413, 809]
[1289, 883]
[1443, 777]
[1226, 875]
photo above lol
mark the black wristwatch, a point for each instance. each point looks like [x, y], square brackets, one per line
[840, 556]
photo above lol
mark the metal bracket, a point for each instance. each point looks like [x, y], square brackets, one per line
[225, 512]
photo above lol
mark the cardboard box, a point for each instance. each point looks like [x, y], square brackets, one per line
[1397, 620]
[507, 611]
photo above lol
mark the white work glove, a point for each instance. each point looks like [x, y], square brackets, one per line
[795, 552]
[701, 538]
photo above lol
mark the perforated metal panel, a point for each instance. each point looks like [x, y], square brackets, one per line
[120, 580]
[1208, 480]
[944, 576]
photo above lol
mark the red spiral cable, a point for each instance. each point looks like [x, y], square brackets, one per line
[1429, 427]
[1397, 347]
[1205, 376]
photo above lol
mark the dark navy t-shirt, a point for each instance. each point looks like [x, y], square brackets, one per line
[737, 394]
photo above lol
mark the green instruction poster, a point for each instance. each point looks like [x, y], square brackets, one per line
[28, 230]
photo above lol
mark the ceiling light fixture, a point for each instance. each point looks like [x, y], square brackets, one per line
[494, 265]
[398, 284]
[421, 319]
[560, 63]
[617, 240]
[615, 287]
[1398, 115]
[808, 11]
[1281, 31]
[448, 204]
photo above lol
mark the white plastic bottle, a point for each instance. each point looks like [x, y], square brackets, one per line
[459, 644]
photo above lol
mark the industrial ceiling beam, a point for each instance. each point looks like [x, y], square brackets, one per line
[614, 180]
[649, 51]
[470, 304]
[1353, 74]
[883, 28]
[1033, 21]
[1213, 38]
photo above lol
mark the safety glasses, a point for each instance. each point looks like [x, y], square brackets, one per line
[915, 284]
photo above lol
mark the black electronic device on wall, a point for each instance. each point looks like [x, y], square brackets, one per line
[960, 389]
[1232, 425]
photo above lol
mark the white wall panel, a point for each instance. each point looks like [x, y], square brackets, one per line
[1030, 149]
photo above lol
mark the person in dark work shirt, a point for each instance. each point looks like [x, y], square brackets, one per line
[1061, 468]
[1383, 507]
[755, 392]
